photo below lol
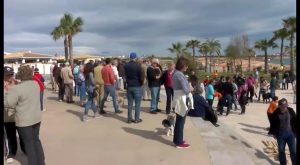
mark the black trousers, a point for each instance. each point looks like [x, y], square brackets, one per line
[61, 91]
[251, 92]
[178, 130]
[210, 102]
[170, 94]
[32, 143]
[11, 135]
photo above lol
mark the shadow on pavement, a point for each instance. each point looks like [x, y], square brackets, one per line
[255, 132]
[76, 113]
[262, 155]
[151, 135]
[116, 116]
[252, 126]
[52, 98]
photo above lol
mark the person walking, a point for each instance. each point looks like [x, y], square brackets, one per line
[153, 76]
[182, 91]
[109, 88]
[81, 85]
[272, 107]
[263, 87]
[210, 92]
[99, 83]
[242, 96]
[283, 128]
[250, 83]
[27, 113]
[68, 78]
[167, 81]
[60, 82]
[76, 71]
[40, 80]
[227, 96]
[53, 73]
[134, 79]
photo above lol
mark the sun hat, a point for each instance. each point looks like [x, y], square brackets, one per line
[133, 55]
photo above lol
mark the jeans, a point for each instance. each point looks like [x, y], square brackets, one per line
[33, 146]
[76, 88]
[134, 93]
[178, 130]
[109, 89]
[170, 95]
[82, 93]
[42, 100]
[154, 98]
[11, 135]
[69, 92]
[90, 104]
[286, 136]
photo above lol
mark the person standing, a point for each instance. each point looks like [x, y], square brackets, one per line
[53, 73]
[273, 84]
[145, 88]
[76, 71]
[210, 92]
[68, 78]
[60, 82]
[121, 71]
[263, 87]
[181, 90]
[40, 80]
[153, 76]
[134, 79]
[242, 96]
[27, 113]
[52, 77]
[272, 107]
[227, 92]
[109, 88]
[283, 128]
[81, 85]
[99, 83]
[167, 81]
[250, 83]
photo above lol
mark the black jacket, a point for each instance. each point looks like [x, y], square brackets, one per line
[133, 74]
[151, 74]
[275, 122]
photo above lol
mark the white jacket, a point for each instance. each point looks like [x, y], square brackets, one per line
[179, 102]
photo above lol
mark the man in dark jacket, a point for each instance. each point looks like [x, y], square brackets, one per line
[134, 79]
[227, 96]
[283, 128]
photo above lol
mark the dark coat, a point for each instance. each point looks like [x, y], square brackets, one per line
[275, 122]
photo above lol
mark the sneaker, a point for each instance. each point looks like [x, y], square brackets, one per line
[138, 121]
[153, 112]
[130, 121]
[102, 112]
[183, 145]
[158, 110]
[85, 118]
[96, 115]
[9, 160]
[60, 100]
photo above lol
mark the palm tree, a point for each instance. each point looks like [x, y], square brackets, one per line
[214, 47]
[250, 53]
[204, 49]
[68, 27]
[281, 34]
[58, 33]
[193, 44]
[263, 45]
[290, 24]
[178, 49]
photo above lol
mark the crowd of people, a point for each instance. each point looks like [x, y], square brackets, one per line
[97, 82]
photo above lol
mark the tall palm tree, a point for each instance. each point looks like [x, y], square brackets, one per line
[290, 24]
[69, 27]
[58, 33]
[281, 34]
[263, 45]
[178, 49]
[250, 53]
[214, 47]
[193, 44]
[204, 49]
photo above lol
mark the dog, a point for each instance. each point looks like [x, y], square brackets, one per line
[169, 124]
[266, 97]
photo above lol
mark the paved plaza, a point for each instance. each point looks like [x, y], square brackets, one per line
[110, 140]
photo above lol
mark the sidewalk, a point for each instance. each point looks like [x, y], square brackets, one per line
[110, 140]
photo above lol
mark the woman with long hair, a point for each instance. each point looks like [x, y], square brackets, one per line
[90, 89]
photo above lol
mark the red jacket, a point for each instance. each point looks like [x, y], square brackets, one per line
[40, 80]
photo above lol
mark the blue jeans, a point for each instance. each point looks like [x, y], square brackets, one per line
[272, 93]
[42, 100]
[286, 136]
[134, 93]
[178, 130]
[170, 94]
[76, 88]
[109, 89]
[82, 92]
[154, 98]
[90, 104]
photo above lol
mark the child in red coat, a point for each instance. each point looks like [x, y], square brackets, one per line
[40, 80]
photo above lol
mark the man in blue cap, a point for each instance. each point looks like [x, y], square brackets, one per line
[134, 79]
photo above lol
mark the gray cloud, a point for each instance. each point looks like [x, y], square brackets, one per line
[147, 27]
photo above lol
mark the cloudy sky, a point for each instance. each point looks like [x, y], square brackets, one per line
[115, 27]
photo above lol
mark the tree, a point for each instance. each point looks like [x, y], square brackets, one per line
[290, 24]
[214, 47]
[193, 44]
[231, 53]
[263, 45]
[250, 53]
[68, 27]
[204, 49]
[281, 34]
[178, 49]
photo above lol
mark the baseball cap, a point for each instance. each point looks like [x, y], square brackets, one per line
[282, 103]
[133, 55]
[8, 71]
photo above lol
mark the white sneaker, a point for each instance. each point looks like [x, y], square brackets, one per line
[85, 118]
[44, 110]
[96, 115]
[9, 160]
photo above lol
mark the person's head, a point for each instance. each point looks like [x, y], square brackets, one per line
[139, 60]
[283, 104]
[81, 68]
[36, 70]
[67, 64]
[115, 62]
[228, 79]
[171, 66]
[24, 73]
[212, 81]
[133, 56]
[154, 62]
[198, 89]
[89, 67]
[8, 73]
[63, 65]
[107, 61]
[275, 98]
[182, 64]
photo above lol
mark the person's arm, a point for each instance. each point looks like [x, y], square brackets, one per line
[184, 84]
[70, 74]
[92, 79]
[140, 74]
[11, 98]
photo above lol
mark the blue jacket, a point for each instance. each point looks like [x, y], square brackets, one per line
[200, 106]
[133, 74]
[210, 92]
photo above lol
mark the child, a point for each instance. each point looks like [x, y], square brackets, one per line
[242, 96]
[271, 109]
[40, 80]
